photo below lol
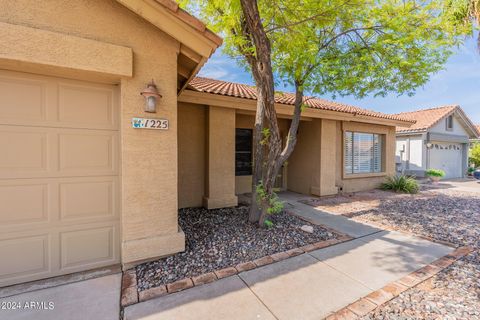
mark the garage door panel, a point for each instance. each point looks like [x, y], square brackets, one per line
[36, 152]
[24, 151]
[88, 153]
[86, 106]
[88, 246]
[24, 257]
[22, 99]
[14, 209]
[86, 199]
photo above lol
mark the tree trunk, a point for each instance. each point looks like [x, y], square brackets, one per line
[262, 72]
[265, 170]
[275, 164]
[257, 178]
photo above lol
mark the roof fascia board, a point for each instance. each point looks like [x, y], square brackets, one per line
[467, 123]
[154, 13]
[433, 136]
[212, 99]
[410, 133]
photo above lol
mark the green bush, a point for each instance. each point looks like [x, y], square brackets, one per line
[268, 223]
[475, 155]
[401, 183]
[435, 173]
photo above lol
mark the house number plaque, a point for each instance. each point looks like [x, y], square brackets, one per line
[155, 124]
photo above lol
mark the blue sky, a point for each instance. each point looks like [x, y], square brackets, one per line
[459, 84]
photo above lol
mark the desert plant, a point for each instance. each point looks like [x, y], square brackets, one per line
[435, 173]
[401, 183]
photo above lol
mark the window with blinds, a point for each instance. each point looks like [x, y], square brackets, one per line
[362, 152]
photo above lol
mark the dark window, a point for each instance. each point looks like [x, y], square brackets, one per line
[243, 152]
[450, 123]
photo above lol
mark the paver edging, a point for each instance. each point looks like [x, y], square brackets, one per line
[375, 299]
[129, 292]
[129, 279]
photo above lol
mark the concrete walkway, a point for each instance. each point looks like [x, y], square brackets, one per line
[309, 286]
[97, 298]
[316, 216]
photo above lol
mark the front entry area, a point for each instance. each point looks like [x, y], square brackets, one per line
[59, 176]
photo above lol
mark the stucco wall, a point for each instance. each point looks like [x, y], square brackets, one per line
[149, 157]
[191, 154]
[220, 182]
[441, 127]
[304, 163]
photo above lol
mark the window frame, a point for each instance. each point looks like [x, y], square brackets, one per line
[383, 138]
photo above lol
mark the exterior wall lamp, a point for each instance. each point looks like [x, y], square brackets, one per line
[151, 95]
[429, 145]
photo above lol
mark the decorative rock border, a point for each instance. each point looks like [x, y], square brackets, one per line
[130, 294]
[367, 304]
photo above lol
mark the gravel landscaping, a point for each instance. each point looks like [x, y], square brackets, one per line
[221, 238]
[442, 214]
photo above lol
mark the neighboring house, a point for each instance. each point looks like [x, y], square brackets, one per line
[82, 187]
[438, 140]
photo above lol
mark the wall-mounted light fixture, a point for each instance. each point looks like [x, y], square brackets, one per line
[429, 145]
[150, 93]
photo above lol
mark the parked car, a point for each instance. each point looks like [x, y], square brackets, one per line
[476, 174]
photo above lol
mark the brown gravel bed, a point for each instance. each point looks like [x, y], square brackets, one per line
[216, 239]
[445, 215]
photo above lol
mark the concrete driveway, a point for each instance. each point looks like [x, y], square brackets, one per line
[467, 185]
[97, 298]
[309, 286]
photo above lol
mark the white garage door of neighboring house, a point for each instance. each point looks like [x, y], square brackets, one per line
[59, 184]
[447, 156]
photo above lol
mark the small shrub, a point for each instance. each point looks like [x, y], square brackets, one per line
[435, 173]
[268, 223]
[401, 183]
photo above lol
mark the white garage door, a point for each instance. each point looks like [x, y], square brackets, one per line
[447, 156]
[59, 184]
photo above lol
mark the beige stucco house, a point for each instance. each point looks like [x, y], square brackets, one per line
[81, 187]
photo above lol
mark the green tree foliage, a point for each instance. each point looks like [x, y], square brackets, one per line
[475, 155]
[336, 47]
[345, 47]
[464, 13]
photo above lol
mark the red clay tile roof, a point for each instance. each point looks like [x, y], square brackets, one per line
[190, 20]
[238, 90]
[428, 118]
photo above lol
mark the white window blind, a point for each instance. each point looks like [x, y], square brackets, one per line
[363, 152]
